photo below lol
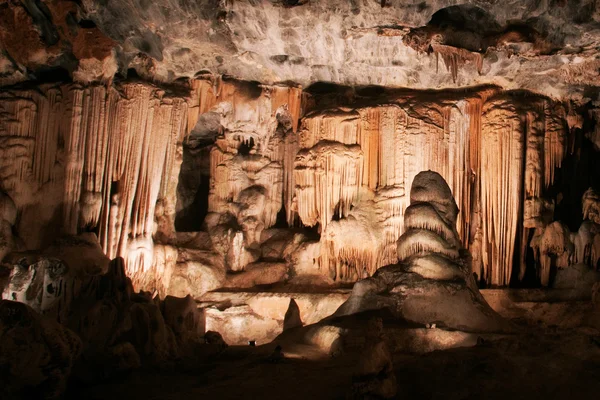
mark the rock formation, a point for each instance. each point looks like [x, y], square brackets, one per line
[374, 375]
[432, 283]
[114, 328]
[548, 47]
[570, 259]
[264, 175]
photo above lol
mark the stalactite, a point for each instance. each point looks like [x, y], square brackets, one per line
[381, 141]
[77, 113]
[327, 179]
[595, 253]
[455, 57]
[502, 150]
[555, 139]
[291, 149]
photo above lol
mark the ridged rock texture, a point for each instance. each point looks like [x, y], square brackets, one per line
[90, 158]
[109, 160]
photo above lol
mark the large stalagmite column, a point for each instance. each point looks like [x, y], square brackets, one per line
[432, 283]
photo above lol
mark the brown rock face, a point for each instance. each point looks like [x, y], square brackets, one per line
[432, 284]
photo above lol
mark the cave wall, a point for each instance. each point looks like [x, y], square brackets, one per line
[544, 46]
[332, 166]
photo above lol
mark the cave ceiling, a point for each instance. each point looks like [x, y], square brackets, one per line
[549, 46]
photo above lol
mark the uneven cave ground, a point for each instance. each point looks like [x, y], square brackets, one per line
[542, 362]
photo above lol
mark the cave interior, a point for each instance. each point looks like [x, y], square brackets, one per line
[299, 199]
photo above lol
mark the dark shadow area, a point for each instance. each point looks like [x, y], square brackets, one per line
[580, 170]
[246, 146]
[465, 17]
[192, 189]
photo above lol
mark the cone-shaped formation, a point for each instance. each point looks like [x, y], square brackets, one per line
[433, 283]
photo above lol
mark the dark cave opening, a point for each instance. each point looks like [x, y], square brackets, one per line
[192, 189]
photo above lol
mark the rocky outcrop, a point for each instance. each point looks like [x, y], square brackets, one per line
[432, 283]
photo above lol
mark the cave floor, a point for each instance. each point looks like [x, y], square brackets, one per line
[547, 363]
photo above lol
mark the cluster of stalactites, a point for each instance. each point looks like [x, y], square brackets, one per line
[502, 144]
[327, 179]
[252, 161]
[554, 246]
[522, 149]
[455, 57]
[108, 149]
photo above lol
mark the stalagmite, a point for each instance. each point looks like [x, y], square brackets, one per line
[432, 283]
[553, 248]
